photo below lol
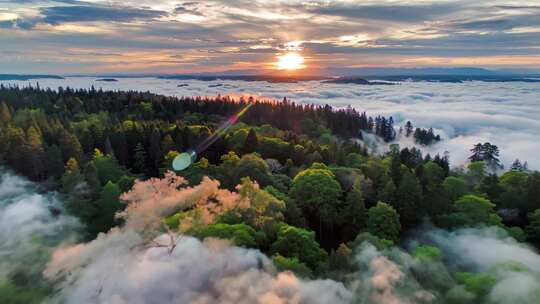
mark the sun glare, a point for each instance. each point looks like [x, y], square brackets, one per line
[290, 61]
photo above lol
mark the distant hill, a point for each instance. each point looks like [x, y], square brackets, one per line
[268, 78]
[27, 77]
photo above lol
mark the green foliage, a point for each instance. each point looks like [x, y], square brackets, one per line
[299, 243]
[354, 160]
[366, 237]
[254, 167]
[107, 167]
[472, 210]
[251, 143]
[292, 264]
[383, 222]
[427, 253]
[454, 187]
[316, 188]
[533, 229]
[477, 283]
[239, 234]
[72, 176]
[272, 147]
[13, 294]
[408, 198]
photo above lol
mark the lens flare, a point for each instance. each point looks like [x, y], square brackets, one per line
[184, 160]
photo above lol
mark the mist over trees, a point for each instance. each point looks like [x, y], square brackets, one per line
[295, 182]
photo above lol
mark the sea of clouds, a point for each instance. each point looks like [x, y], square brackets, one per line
[503, 113]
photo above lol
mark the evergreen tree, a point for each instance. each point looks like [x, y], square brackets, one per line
[71, 147]
[109, 204]
[5, 113]
[487, 153]
[72, 175]
[408, 199]
[409, 129]
[251, 143]
[354, 211]
[139, 159]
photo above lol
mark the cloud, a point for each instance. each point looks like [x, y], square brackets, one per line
[31, 225]
[87, 13]
[386, 12]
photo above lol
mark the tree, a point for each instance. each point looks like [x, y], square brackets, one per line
[292, 264]
[109, 205]
[107, 167]
[240, 234]
[139, 159]
[251, 143]
[518, 166]
[317, 193]
[408, 199]
[341, 259]
[5, 113]
[487, 153]
[167, 144]
[408, 128]
[299, 243]
[72, 175]
[388, 193]
[476, 172]
[35, 155]
[472, 210]
[71, 147]
[533, 229]
[383, 222]
[254, 167]
[53, 159]
[454, 187]
[354, 213]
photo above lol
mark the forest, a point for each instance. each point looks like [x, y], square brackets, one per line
[296, 182]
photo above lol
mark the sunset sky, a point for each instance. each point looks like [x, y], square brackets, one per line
[166, 36]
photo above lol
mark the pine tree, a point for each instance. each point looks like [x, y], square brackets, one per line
[251, 143]
[5, 113]
[72, 175]
[70, 145]
[139, 159]
[408, 128]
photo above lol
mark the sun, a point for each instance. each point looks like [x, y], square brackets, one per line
[290, 61]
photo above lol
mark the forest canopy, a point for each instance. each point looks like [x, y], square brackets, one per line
[296, 182]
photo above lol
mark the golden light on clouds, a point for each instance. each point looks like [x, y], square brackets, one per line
[290, 61]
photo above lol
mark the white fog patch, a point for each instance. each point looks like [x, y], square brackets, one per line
[31, 224]
[503, 113]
